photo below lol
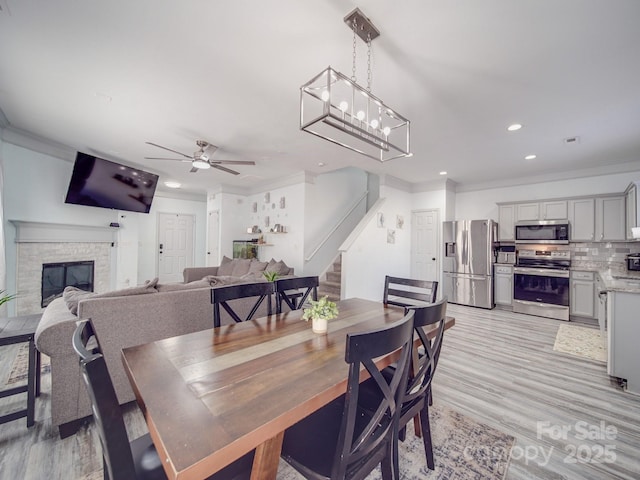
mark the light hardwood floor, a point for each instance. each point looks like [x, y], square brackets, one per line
[496, 366]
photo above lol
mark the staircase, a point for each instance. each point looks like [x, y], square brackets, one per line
[332, 285]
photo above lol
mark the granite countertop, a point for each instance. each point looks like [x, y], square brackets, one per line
[613, 280]
[614, 277]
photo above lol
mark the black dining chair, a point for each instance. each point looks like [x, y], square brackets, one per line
[407, 292]
[415, 403]
[343, 441]
[295, 291]
[122, 459]
[221, 296]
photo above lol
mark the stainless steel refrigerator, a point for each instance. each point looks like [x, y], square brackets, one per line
[468, 262]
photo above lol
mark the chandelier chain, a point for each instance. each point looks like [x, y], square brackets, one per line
[369, 74]
[353, 68]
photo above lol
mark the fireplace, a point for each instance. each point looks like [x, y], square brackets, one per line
[57, 276]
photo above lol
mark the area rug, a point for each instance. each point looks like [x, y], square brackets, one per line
[463, 449]
[20, 365]
[581, 341]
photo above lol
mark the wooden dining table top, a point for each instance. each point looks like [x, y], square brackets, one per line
[211, 396]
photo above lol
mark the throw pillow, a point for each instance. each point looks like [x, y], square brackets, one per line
[226, 268]
[241, 267]
[72, 295]
[280, 267]
[257, 266]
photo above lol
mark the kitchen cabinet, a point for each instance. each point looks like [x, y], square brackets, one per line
[503, 285]
[631, 203]
[582, 219]
[610, 218]
[622, 337]
[506, 223]
[582, 297]
[549, 210]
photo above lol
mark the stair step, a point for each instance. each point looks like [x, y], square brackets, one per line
[330, 287]
[335, 277]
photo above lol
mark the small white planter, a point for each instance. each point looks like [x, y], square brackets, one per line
[319, 325]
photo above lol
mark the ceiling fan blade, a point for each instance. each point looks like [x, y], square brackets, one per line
[232, 162]
[174, 159]
[193, 170]
[165, 148]
[228, 170]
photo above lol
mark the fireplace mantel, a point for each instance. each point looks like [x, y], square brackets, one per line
[41, 232]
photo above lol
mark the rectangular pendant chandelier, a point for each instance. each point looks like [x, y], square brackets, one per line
[334, 107]
[337, 109]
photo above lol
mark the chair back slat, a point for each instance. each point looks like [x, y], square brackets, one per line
[221, 296]
[419, 291]
[295, 291]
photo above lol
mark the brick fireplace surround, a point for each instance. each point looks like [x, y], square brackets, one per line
[39, 243]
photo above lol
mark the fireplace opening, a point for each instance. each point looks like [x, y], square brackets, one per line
[57, 276]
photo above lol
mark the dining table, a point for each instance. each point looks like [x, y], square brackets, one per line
[212, 396]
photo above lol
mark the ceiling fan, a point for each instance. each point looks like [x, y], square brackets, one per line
[201, 159]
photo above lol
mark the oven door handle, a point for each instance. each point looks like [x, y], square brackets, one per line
[541, 272]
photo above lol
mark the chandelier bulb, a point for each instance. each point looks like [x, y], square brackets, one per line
[374, 123]
[344, 106]
[325, 95]
[386, 131]
[360, 115]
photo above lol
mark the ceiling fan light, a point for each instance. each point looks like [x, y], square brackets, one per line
[200, 163]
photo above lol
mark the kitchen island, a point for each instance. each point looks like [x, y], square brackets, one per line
[619, 308]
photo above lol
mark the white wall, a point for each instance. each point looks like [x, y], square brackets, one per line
[371, 256]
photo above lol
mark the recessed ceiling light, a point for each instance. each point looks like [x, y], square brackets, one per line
[443, 173]
[171, 184]
[514, 127]
[321, 164]
[529, 157]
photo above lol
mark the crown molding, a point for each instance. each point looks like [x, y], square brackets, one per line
[22, 138]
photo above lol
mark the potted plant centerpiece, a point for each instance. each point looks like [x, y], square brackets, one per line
[320, 312]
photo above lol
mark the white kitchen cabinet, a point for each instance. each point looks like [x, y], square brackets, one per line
[631, 203]
[582, 219]
[549, 210]
[527, 211]
[623, 333]
[610, 218]
[582, 297]
[503, 285]
[506, 223]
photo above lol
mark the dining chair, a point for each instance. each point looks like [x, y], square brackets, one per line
[416, 292]
[295, 291]
[222, 296]
[122, 459]
[415, 402]
[342, 440]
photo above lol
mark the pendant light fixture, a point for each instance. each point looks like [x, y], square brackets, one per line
[334, 107]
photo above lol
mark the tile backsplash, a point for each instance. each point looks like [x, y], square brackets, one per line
[602, 255]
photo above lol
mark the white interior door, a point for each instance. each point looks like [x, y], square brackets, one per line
[425, 251]
[175, 245]
[213, 239]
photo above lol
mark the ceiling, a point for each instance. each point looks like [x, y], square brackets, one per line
[106, 77]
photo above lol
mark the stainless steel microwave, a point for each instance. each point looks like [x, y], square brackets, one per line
[542, 231]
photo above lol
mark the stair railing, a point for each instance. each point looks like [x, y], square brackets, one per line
[326, 238]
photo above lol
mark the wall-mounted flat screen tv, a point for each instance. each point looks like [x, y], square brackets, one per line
[97, 182]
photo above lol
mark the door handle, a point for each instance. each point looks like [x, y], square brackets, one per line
[434, 259]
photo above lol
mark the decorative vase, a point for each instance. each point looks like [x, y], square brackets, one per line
[319, 325]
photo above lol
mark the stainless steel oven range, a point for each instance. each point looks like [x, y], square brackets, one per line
[541, 283]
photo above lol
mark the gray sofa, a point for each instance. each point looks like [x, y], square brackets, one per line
[122, 319]
[238, 267]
